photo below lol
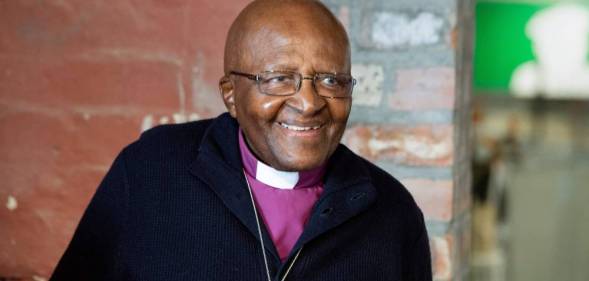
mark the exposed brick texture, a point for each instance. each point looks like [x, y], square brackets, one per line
[434, 197]
[419, 125]
[423, 89]
[369, 87]
[441, 248]
[402, 28]
[415, 145]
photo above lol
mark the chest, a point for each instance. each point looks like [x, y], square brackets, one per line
[192, 235]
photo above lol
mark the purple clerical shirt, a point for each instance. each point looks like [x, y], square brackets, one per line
[284, 199]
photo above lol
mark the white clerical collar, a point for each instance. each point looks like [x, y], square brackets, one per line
[267, 175]
[276, 178]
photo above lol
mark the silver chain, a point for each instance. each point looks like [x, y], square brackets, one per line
[249, 188]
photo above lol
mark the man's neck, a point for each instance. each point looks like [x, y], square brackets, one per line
[273, 177]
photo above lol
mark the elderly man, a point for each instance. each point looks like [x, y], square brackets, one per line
[263, 192]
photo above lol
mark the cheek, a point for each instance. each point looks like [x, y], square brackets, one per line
[340, 111]
[257, 107]
[270, 106]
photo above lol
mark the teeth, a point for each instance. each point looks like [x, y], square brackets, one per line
[297, 128]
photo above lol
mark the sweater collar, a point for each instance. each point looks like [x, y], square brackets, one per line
[348, 190]
[273, 177]
[221, 143]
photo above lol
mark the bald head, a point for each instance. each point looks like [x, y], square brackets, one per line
[282, 22]
[287, 37]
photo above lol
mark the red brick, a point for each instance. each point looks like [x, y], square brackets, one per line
[424, 89]
[434, 197]
[51, 164]
[76, 80]
[64, 136]
[36, 233]
[178, 31]
[419, 145]
[84, 83]
[65, 25]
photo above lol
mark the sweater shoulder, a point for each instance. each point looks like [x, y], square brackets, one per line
[388, 184]
[389, 188]
[395, 198]
[168, 140]
[174, 133]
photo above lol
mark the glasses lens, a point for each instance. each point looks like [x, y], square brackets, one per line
[334, 85]
[278, 83]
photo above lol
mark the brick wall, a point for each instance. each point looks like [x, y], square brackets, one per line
[411, 109]
[81, 79]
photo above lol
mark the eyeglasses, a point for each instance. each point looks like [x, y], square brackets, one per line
[286, 83]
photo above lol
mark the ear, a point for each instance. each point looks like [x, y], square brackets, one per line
[226, 88]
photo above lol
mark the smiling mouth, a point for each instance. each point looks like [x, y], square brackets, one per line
[299, 128]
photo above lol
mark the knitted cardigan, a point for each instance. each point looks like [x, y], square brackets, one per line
[175, 206]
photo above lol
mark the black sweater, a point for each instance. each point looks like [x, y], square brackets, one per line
[175, 206]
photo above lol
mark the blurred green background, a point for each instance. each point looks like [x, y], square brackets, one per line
[501, 43]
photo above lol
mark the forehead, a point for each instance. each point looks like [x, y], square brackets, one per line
[296, 47]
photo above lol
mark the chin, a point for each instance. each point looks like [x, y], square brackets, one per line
[300, 159]
[295, 165]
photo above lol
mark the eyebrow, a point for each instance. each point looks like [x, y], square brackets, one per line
[293, 68]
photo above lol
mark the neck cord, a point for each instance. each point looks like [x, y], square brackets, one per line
[249, 188]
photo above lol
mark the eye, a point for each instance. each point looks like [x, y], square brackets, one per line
[329, 81]
[279, 79]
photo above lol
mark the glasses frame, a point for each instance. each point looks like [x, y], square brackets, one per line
[258, 77]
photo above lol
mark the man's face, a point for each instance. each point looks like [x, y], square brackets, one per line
[301, 131]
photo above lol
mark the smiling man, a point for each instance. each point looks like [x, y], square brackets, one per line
[263, 192]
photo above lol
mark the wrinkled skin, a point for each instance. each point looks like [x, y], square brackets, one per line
[301, 36]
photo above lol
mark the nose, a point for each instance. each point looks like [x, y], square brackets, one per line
[307, 101]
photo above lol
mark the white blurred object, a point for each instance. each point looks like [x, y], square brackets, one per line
[11, 203]
[559, 35]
